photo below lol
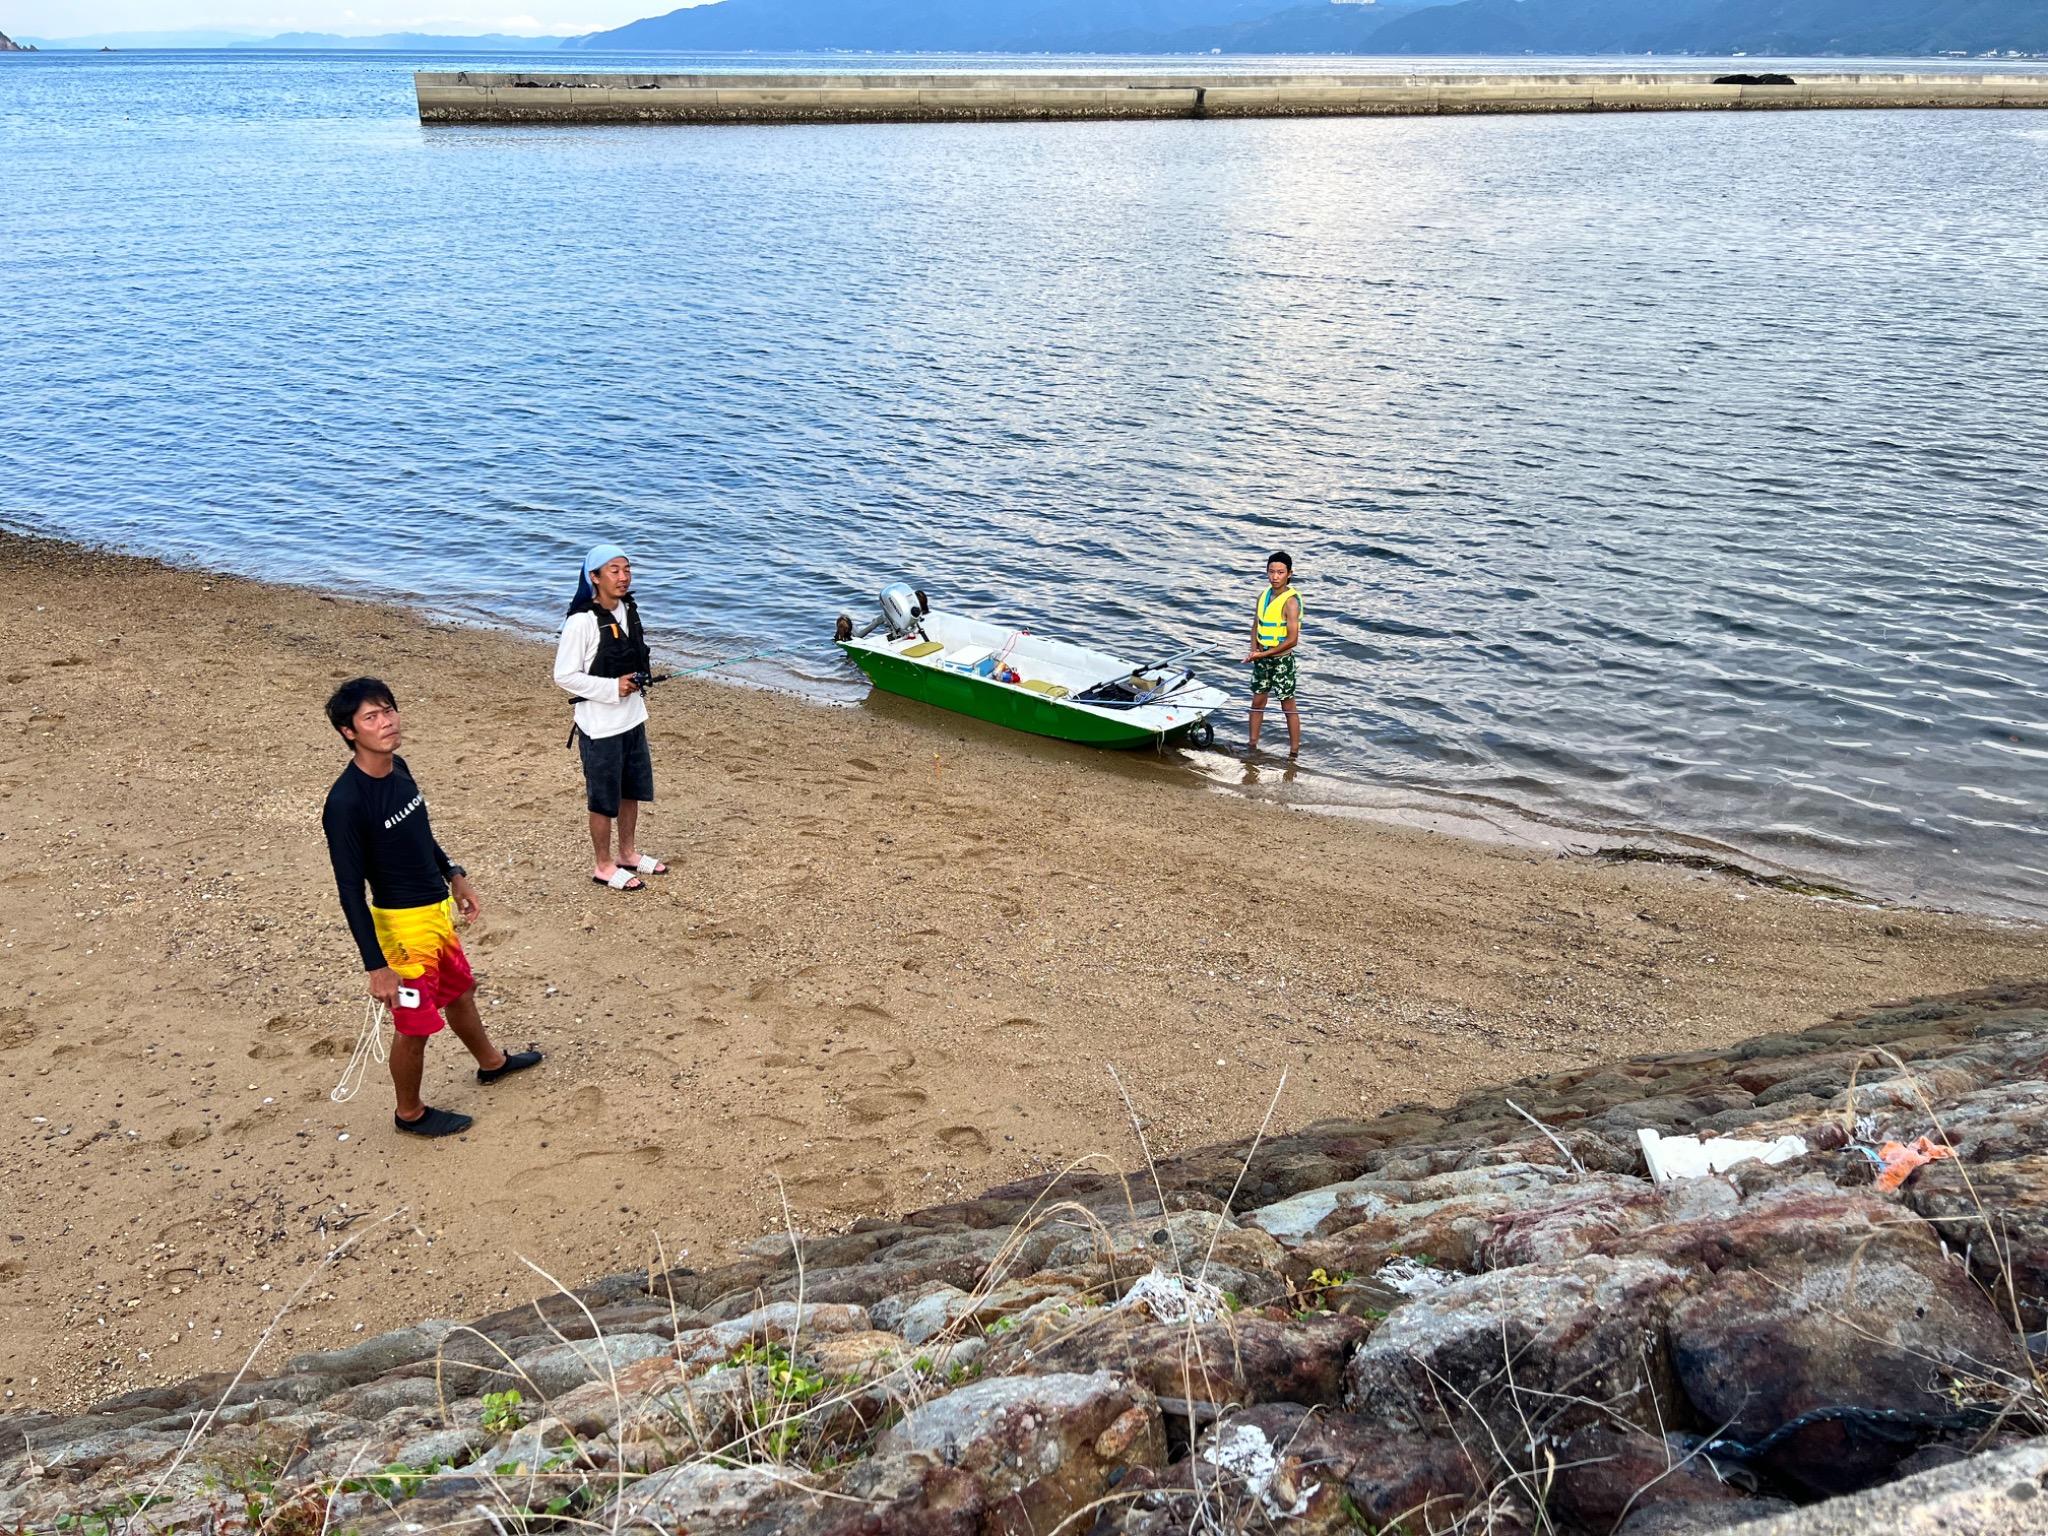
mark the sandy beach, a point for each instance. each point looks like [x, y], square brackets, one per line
[896, 955]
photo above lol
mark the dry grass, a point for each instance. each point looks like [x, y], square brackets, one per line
[797, 1426]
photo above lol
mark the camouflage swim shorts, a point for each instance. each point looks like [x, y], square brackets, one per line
[1274, 675]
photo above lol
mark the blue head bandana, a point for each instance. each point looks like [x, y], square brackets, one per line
[599, 557]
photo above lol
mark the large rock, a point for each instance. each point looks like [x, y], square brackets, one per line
[706, 1496]
[1531, 1216]
[1701, 1519]
[1606, 1474]
[962, 1258]
[375, 1356]
[1038, 1447]
[1995, 1124]
[1833, 1302]
[1532, 1353]
[1999, 1494]
[1243, 1357]
[1997, 1213]
[777, 1323]
[1242, 1260]
[1385, 1477]
[561, 1368]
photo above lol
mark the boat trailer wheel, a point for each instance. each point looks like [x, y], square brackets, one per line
[1203, 734]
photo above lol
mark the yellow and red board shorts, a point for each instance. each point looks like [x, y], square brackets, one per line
[420, 944]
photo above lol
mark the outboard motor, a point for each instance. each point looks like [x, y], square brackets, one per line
[902, 606]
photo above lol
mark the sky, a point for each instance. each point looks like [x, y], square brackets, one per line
[77, 18]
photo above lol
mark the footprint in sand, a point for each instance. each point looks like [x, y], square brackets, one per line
[886, 1103]
[962, 1138]
[858, 1188]
[577, 1172]
[187, 1135]
[486, 939]
[15, 1029]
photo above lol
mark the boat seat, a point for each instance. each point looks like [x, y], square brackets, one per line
[1040, 685]
[923, 648]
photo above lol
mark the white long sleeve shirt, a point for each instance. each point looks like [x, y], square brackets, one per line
[600, 712]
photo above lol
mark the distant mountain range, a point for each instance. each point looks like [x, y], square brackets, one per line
[1717, 28]
[396, 42]
[407, 42]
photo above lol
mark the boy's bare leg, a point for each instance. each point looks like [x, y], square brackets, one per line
[1258, 719]
[408, 1063]
[468, 1027]
[601, 840]
[629, 823]
[1293, 728]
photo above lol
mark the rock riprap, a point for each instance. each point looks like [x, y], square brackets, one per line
[1440, 1319]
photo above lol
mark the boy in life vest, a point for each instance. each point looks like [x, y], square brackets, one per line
[600, 660]
[1276, 631]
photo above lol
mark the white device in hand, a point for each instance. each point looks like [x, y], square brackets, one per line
[408, 997]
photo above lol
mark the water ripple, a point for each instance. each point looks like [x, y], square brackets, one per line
[1680, 472]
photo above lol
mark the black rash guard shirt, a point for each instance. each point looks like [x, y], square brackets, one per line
[377, 832]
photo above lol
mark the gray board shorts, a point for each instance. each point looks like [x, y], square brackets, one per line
[616, 768]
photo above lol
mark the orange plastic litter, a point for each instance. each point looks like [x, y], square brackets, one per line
[1900, 1159]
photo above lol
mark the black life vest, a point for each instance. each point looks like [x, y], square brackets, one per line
[621, 648]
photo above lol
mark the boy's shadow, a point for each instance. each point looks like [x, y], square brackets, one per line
[1280, 772]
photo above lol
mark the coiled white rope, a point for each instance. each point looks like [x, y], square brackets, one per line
[370, 1048]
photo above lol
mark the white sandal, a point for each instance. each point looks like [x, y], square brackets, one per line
[620, 879]
[650, 865]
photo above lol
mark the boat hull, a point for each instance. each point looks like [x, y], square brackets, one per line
[1004, 705]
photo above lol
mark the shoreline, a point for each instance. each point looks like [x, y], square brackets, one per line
[876, 980]
[1430, 809]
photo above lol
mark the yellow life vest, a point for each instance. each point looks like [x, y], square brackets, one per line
[1273, 616]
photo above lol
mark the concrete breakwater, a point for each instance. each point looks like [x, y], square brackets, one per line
[472, 97]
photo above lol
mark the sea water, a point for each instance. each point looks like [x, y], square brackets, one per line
[1677, 477]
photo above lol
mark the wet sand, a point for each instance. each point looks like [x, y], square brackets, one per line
[895, 957]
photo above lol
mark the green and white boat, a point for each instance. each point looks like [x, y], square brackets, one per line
[1025, 682]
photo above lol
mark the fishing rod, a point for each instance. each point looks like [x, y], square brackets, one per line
[1134, 696]
[648, 679]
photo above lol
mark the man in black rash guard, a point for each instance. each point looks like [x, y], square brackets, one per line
[377, 834]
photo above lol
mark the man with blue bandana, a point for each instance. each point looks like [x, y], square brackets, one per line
[600, 662]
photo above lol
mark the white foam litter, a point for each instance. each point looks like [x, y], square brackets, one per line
[1175, 1298]
[1243, 1451]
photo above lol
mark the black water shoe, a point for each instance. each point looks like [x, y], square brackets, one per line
[435, 1122]
[515, 1061]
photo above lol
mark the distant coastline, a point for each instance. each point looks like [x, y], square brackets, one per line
[1956, 30]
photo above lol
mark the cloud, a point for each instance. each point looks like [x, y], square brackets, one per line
[562, 18]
